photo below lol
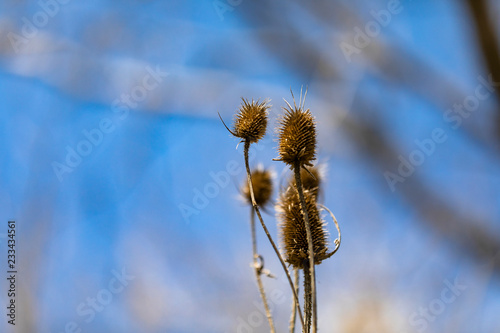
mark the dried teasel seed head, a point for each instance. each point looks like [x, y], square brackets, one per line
[293, 231]
[297, 136]
[262, 181]
[250, 122]
[311, 179]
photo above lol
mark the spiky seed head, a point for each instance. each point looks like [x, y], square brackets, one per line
[297, 136]
[262, 187]
[250, 122]
[311, 180]
[293, 231]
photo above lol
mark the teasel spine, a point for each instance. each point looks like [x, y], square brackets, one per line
[251, 122]
[250, 126]
[297, 148]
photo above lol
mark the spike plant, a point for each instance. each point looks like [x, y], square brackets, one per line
[250, 126]
[303, 231]
[297, 149]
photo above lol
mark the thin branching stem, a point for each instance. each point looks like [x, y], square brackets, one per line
[300, 190]
[258, 270]
[257, 210]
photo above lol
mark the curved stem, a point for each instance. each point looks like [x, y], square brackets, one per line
[256, 208]
[338, 240]
[300, 190]
[258, 272]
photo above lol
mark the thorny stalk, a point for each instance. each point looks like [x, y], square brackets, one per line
[257, 210]
[312, 279]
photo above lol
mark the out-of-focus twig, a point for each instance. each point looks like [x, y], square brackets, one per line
[488, 42]
[469, 233]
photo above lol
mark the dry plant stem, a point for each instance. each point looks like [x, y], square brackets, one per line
[298, 181]
[307, 296]
[295, 305]
[339, 239]
[256, 208]
[258, 272]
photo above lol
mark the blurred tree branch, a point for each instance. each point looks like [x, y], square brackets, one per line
[284, 40]
[468, 232]
[488, 43]
[486, 36]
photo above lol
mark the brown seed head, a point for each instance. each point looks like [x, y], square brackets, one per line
[297, 136]
[250, 122]
[293, 230]
[262, 187]
[311, 180]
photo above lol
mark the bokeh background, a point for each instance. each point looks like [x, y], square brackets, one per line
[110, 142]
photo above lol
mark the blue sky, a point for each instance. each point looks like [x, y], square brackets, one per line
[119, 206]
